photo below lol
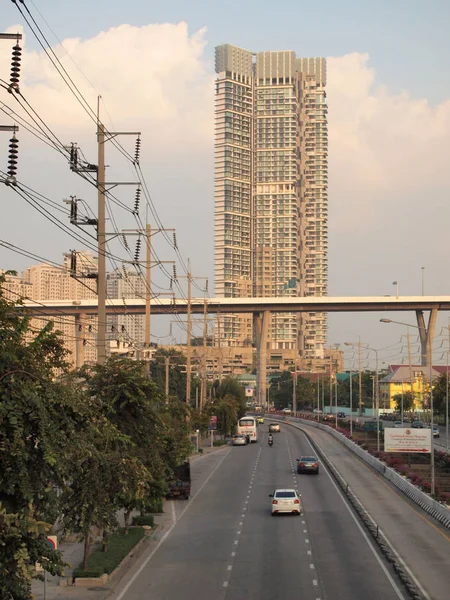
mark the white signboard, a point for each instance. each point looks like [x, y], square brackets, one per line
[248, 391]
[407, 440]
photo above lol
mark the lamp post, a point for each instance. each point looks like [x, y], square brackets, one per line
[197, 431]
[351, 404]
[430, 366]
[423, 281]
[396, 287]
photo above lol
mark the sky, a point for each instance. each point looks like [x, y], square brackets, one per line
[152, 63]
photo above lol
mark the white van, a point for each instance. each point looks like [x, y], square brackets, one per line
[286, 411]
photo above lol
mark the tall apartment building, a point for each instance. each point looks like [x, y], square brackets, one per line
[51, 282]
[126, 284]
[271, 200]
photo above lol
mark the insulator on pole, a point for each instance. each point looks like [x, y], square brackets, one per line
[175, 245]
[73, 210]
[15, 69]
[206, 286]
[73, 156]
[175, 272]
[137, 200]
[12, 159]
[137, 150]
[171, 282]
[125, 242]
[138, 249]
[73, 263]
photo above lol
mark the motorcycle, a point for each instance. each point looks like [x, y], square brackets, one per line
[270, 442]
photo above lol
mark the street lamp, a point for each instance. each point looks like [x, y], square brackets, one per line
[197, 431]
[430, 365]
[396, 287]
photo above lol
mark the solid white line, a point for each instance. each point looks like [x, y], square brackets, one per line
[364, 534]
[168, 532]
[174, 512]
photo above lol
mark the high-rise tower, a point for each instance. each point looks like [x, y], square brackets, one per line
[271, 166]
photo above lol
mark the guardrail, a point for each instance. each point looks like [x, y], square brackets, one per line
[428, 504]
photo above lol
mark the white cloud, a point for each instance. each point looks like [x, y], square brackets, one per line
[384, 148]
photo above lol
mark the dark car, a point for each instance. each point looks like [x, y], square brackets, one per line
[417, 425]
[308, 464]
[341, 415]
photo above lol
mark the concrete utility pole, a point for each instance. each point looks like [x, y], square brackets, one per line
[189, 278]
[360, 378]
[205, 339]
[147, 232]
[167, 367]
[220, 358]
[101, 240]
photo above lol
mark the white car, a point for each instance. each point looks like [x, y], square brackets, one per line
[286, 411]
[286, 501]
[318, 411]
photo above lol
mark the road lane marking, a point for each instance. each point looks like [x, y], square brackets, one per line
[236, 542]
[233, 554]
[311, 566]
[314, 581]
[363, 533]
[225, 584]
[174, 512]
[229, 567]
[169, 531]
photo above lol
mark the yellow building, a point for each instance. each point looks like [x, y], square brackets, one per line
[405, 379]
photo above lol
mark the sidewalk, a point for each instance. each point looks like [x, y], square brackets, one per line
[58, 588]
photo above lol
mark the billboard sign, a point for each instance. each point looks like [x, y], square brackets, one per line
[213, 423]
[407, 440]
[248, 391]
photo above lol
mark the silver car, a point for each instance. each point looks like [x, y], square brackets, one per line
[239, 440]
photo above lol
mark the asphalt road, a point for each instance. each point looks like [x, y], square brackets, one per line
[225, 545]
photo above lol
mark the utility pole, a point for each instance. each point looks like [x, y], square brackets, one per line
[188, 345]
[360, 378]
[189, 278]
[410, 368]
[220, 358]
[148, 232]
[167, 366]
[205, 338]
[331, 379]
[101, 240]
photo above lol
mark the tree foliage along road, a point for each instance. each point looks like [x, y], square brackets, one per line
[83, 445]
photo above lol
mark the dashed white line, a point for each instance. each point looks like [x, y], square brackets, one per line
[314, 581]
[236, 542]
[229, 567]
[225, 584]
[233, 554]
[306, 541]
[311, 566]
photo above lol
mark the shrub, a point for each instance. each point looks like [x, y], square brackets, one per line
[119, 545]
[220, 442]
[154, 505]
[143, 520]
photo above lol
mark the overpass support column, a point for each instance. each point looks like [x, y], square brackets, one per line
[80, 333]
[261, 323]
[426, 335]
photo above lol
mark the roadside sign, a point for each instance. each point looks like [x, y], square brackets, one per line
[213, 423]
[248, 391]
[52, 541]
[407, 440]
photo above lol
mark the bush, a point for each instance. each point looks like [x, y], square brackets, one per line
[220, 442]
[154, 505]
[119, 545]
[78, 572]
[143, 520]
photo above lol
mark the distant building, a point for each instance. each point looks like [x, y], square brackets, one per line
[403, 379]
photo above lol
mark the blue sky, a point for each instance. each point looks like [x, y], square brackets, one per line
[389, 120]
[407, 40]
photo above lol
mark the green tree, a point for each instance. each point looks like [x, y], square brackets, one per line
[177, 378]
[31, 447]
[440, 394]
[232, 388]
[406, 402]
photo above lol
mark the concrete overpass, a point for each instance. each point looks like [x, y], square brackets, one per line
[261, 308]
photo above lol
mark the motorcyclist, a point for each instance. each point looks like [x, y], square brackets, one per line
[270, 440]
